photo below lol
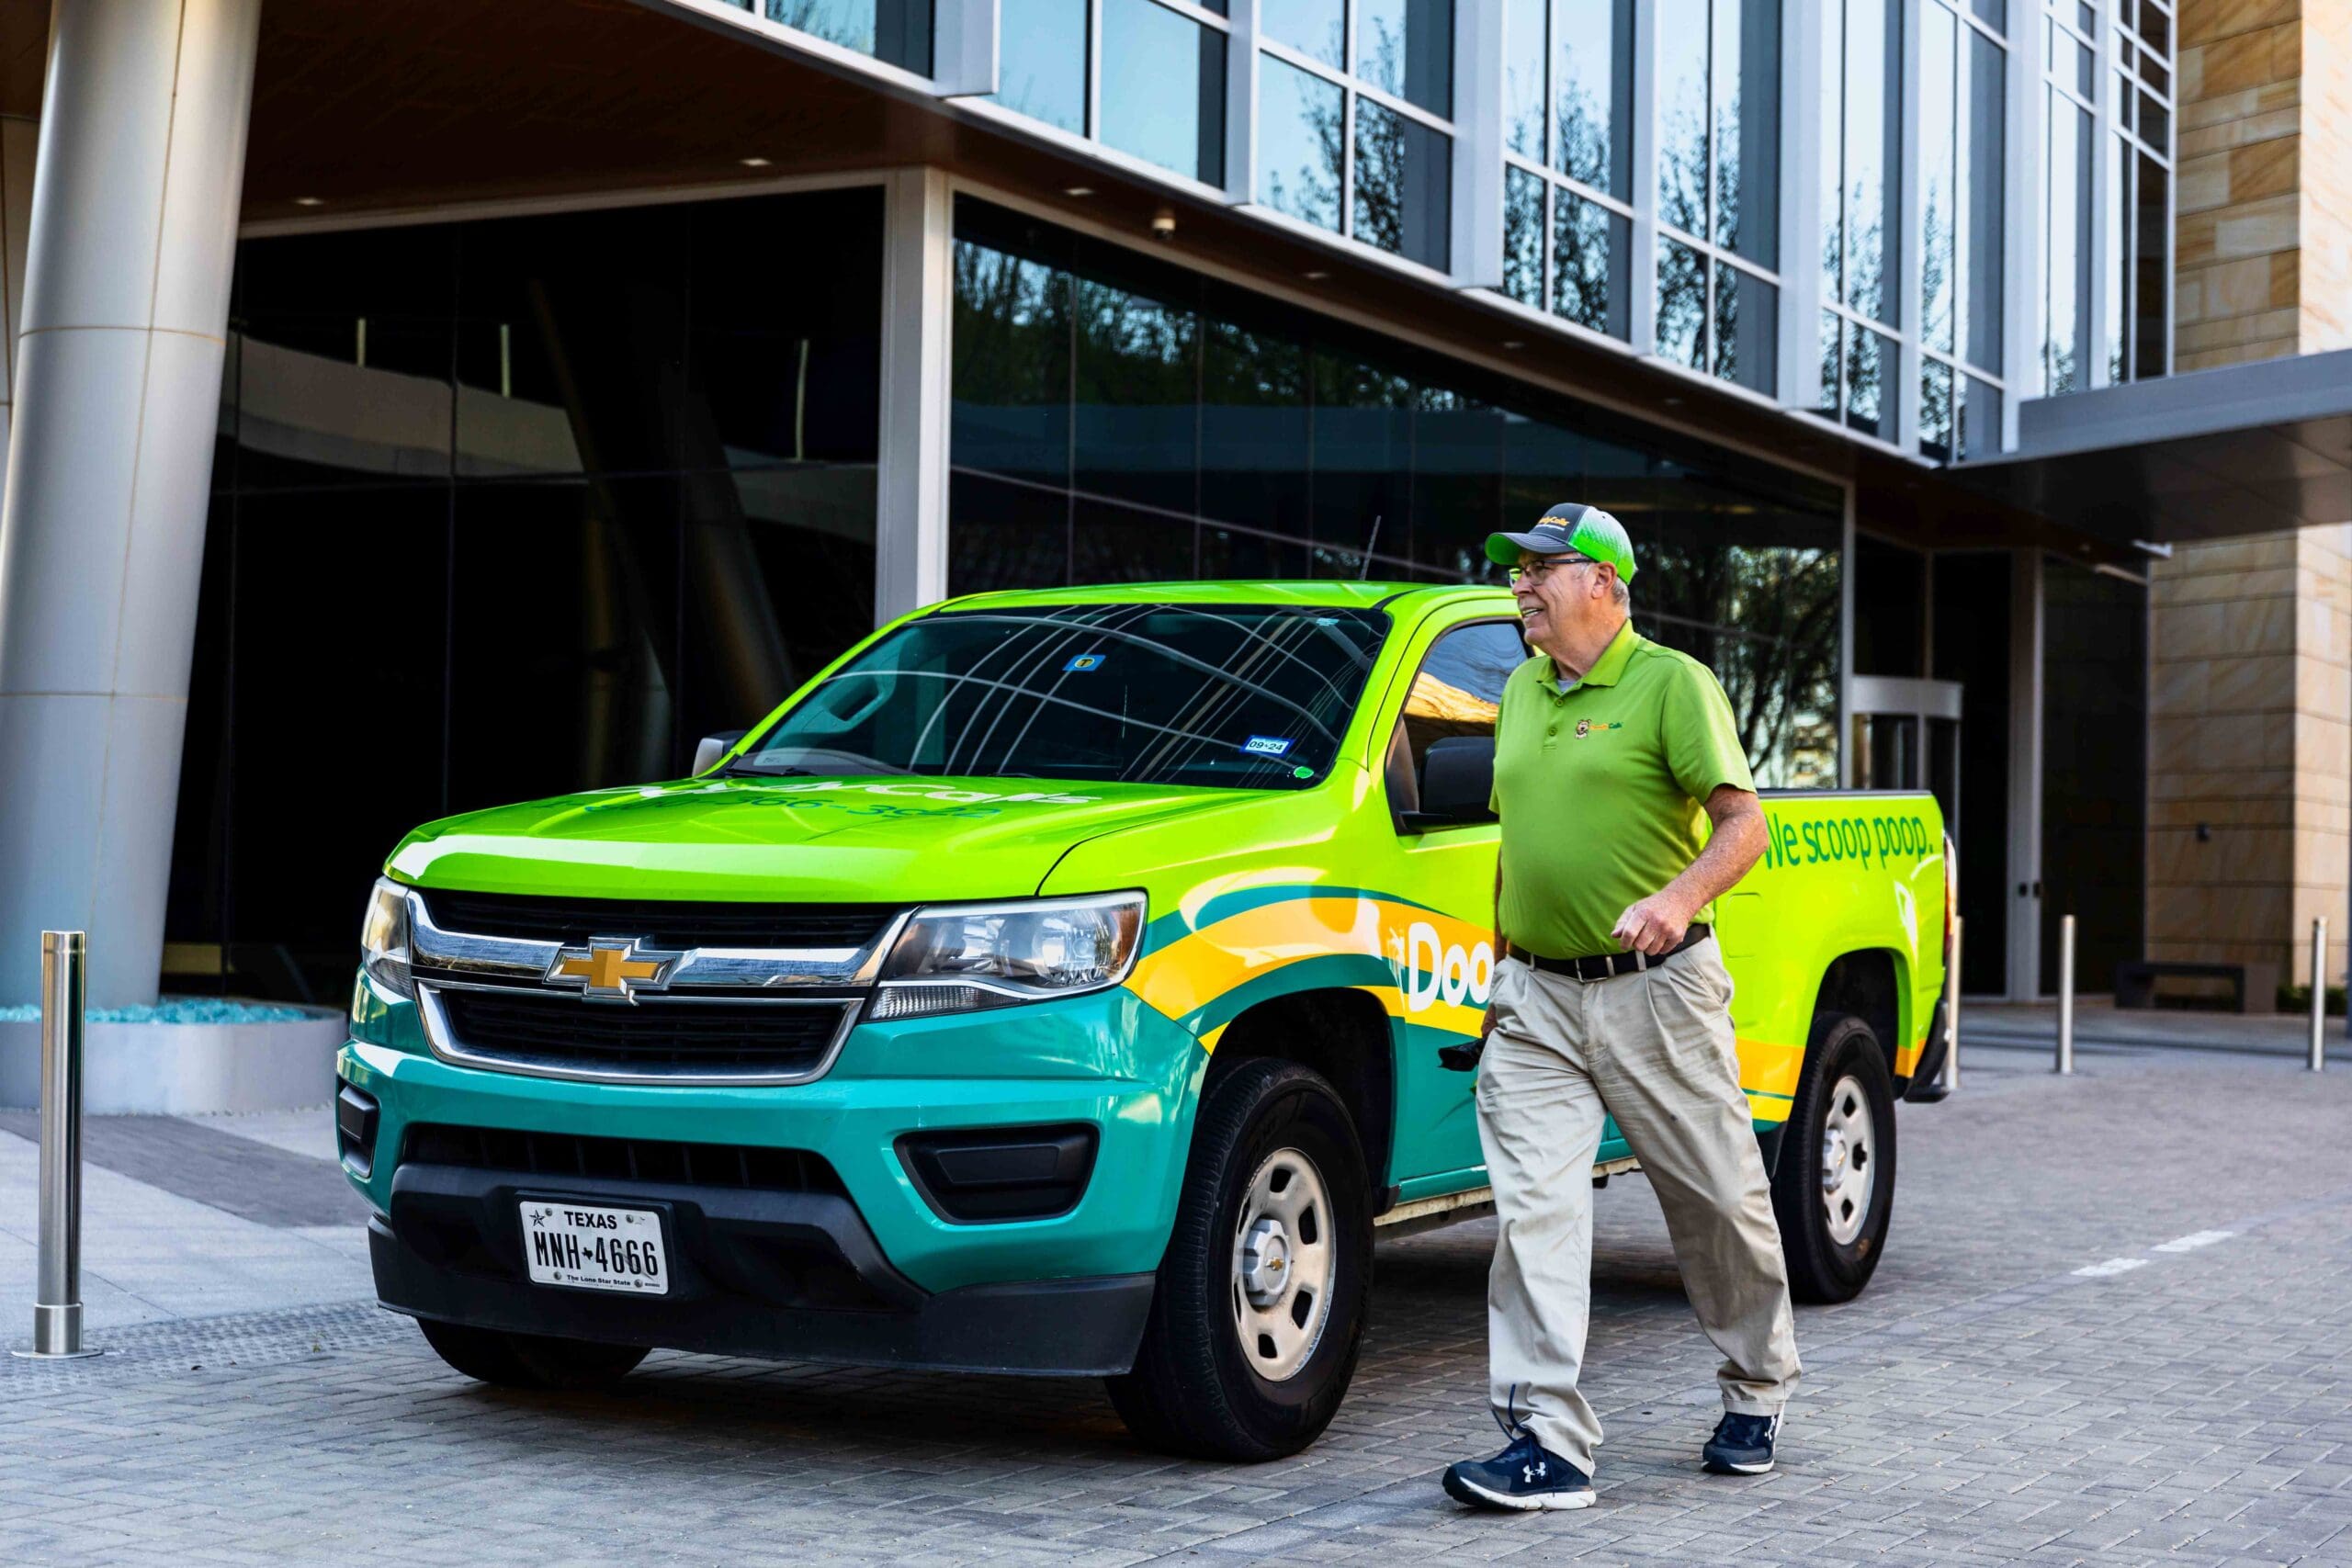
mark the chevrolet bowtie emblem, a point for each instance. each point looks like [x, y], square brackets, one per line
[612, 968]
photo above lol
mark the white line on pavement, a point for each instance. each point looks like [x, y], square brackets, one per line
[2191, 1242]
[2112, 1266]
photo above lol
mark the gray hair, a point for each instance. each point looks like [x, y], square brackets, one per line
[1619, 592]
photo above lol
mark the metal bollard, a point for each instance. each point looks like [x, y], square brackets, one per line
[2318, 1062]
[57, 1296]
[1952, 1009]
[2065, 1062]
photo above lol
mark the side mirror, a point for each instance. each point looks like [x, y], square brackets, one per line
[710, 748]
[1457, 779]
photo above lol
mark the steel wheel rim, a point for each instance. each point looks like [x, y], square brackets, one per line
[1849, 1161]
[1283, 1263]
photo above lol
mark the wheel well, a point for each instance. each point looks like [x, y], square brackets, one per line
[1343, 1036]
[1863, 984]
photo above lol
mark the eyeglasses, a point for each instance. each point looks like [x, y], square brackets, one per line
[1536, 570]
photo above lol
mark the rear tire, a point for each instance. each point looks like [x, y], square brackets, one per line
[530, 1360]
[1834, 1192]
[1258, 1312]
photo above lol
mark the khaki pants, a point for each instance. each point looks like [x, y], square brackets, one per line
[1654, 1050]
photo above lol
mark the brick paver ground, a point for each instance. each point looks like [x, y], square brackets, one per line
[2187, 1400]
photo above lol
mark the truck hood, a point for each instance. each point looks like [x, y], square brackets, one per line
[875, 839]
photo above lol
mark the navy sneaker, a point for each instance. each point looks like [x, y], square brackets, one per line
[1742, 1444]
[1526, 1475]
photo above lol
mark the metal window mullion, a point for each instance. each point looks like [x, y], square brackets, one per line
[2025, 297]
[2104, 123]
[969, 48]
[1094, 70]
[1192, 11]
[1800, 297]
[1911, 228]
[1307, 62]
[1241, 104]
[1477, 221]
[1640, 318]
[1551, 196]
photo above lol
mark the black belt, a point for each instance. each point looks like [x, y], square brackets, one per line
[1607, 966]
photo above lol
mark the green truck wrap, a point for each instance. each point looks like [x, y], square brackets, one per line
[1054, 984]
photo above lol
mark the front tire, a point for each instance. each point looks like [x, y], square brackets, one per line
[530, 1360]
[1834, 1192]
[1258, 1312]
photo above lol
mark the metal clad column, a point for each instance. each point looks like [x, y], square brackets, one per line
[117, 382]
[918, 315]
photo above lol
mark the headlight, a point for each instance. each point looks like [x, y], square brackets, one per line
[383, 940]
[956, 958]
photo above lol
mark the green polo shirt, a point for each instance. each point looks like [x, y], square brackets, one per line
[1599, 789]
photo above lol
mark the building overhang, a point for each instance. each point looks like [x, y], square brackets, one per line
[2243, 449]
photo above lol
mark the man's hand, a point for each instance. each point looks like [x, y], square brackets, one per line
[1654, 926]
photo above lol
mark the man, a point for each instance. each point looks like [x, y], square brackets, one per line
[1612, 1001]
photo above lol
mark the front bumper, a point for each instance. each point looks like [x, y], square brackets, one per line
[909, 1285]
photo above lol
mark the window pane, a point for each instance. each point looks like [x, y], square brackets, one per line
[1870, 382]
[1681, 304]
[897, 31]
[1747, 330]
[2066, 352]
[1592, 85]
[1523, 43]
[1993, 14]
[1523, 237]
[2152, 259]
[1136, 379]
[1010, 381]
[1939, 175]
[1110, 543]
[1591, 257]
[1831, 358]
[1873, 192]
[1747, 129]
[1253, 432]
[1982, 166]
[2118, 259]
[1362, 460]
[1163, 88]
[1317, 28]
[1405, 47]
[1299, 134]
[1404, 184]
[2155, 122]
[1979, 423]
[1682, 114]
[1041, 69]
[1005, 535]
[1457, 491]
[1935, 410]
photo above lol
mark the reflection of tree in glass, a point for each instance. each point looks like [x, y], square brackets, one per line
[1132, 350]
[1011, 335]
[1380, 156]
[1311, 191]
[1681, 304]
[1522, 236]
[1727, 345]
[1582, 257]
[1682, 169]
[1934, 270]
[1584, 135]
[1765, 620]
[849, 23]
[1728, 171]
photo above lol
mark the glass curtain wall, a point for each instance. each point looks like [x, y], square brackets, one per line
[1963, 99]
[1143, 77]
[1355, 120]
[503, 510]
[2138, 211]
[1119, 419]
[1861, 207]
[897, 32]
[2070, 73]
[1718, 127]
[1568, 160]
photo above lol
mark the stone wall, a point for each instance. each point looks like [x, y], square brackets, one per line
[2242, 153]
[2250, 710]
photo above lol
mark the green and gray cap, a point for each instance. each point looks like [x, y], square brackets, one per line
[1571, 526]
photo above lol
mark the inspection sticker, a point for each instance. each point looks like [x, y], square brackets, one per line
[1266, 746]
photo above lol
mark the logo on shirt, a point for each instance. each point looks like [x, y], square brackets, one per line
[1586, 727]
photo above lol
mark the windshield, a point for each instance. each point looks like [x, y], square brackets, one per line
[1240, 696]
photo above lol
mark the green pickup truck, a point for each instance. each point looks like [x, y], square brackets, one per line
[1053, 985]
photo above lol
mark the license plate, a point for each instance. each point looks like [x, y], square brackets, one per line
[591, 1248]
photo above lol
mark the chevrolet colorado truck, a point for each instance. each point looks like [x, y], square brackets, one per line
[1052, 985]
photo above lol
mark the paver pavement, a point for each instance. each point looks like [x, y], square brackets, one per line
[2110, 1328]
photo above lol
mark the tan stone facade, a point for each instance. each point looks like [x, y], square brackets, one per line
[2250, 705]
[2250, 712]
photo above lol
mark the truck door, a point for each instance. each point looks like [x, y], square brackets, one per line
[1442, 954]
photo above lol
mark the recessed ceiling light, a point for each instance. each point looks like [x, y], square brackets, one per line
[753, 163]
[1671, 403]
[1318, 276]
[1514, 343]
[1078, 190]
[310, 201]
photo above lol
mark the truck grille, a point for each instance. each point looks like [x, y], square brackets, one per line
[660, 922]
[745, 1166]
[520, 1029]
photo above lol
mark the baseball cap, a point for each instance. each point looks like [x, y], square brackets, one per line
[1571, 526]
